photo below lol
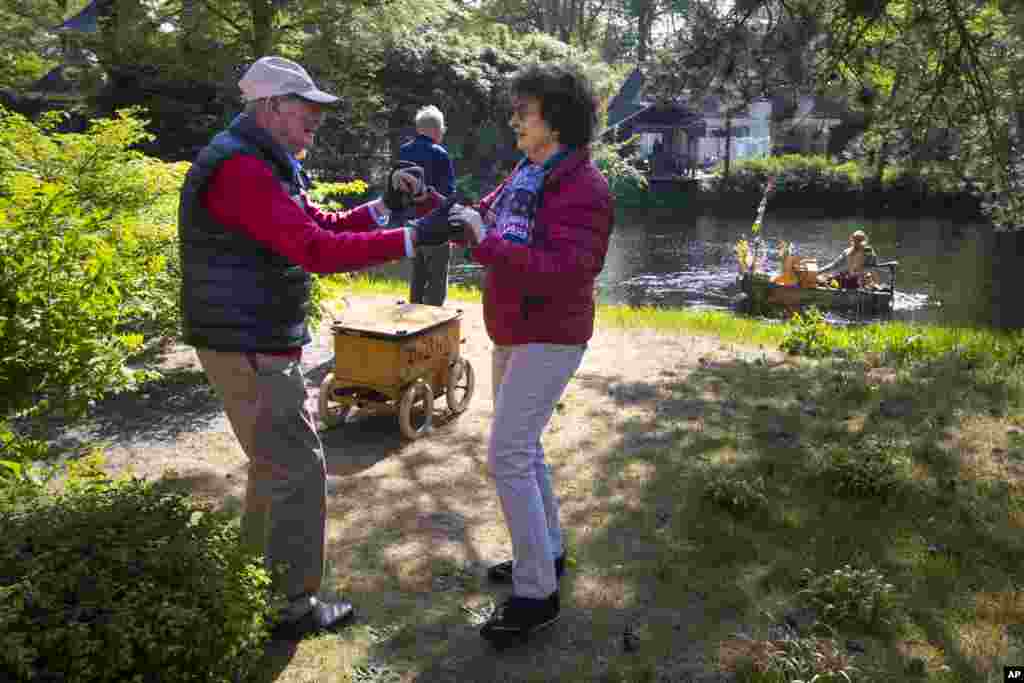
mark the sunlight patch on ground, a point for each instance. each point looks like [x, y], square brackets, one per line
[933, 657]
[984, 644]
[607, 591]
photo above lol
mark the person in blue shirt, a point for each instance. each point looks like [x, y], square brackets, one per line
[429, 282]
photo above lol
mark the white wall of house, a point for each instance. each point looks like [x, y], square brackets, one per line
[751, 134]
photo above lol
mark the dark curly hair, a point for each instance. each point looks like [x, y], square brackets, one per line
[566, 96]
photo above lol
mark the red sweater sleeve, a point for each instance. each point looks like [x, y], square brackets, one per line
[358, 219]
[244, 195]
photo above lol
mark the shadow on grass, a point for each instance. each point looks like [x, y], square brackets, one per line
[748, 421]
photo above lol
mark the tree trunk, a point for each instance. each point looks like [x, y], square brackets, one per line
[644, 25]
[263, 15]
[188, 39]
[883, 147]
[118, 34]
[728, 146]
[65, 36]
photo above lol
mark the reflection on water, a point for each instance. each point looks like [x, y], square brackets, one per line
[956, 273]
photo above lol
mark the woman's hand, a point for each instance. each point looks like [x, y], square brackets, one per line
[470, 221]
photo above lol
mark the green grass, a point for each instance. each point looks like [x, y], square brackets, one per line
[364, 284]
[723, 496]
[898, 341]
[813, 483]
[751, 510]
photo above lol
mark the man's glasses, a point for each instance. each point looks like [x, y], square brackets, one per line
[524, 109]
[303, 111]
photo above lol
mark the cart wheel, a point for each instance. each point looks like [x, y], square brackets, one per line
[331, 414]
[461, 383]
[416, 410]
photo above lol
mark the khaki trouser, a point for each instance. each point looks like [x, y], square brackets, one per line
[286, 494]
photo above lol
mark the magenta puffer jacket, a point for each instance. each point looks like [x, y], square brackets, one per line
[544, 292]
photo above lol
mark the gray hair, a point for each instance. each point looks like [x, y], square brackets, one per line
[429, 117]
[252, 106]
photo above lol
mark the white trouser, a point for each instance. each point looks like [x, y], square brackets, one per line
[528, 381]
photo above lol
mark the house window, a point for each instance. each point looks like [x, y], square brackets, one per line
[736, 132]
[648, 141]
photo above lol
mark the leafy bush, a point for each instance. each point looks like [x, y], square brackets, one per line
[472, 189]
[343, 195]
[87, 248]
[332, 197]
[808, 334]
[125, 581]
[21, 68]
[850, 596]
[796, 174]
[17, 453]
[736, 493]
[626, 181]
[872, 469]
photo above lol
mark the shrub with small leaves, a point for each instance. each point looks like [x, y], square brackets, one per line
[873, 468]
[342, 195]
[125, 581]
[87, 254]
[849, 596]
[808, 335]
[736, 493]
[626, 182]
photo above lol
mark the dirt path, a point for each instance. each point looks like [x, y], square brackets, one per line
[413, 525]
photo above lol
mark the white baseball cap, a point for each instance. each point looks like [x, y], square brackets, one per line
[273, 76]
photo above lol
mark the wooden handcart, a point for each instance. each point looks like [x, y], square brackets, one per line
[397, 358]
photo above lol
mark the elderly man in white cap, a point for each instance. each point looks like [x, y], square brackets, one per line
[249, 239]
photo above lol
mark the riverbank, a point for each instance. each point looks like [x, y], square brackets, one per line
[700, 479]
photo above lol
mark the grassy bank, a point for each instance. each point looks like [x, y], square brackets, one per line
[808, 335]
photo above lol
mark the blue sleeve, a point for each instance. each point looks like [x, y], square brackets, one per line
[451, 174]
[444, 172]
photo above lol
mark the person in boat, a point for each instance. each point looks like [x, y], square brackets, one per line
[857, 258]
[789, 276]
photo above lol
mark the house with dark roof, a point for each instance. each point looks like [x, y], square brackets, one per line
[668, 133]
[688, 133]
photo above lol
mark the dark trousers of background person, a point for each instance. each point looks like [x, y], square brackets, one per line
[429, 281]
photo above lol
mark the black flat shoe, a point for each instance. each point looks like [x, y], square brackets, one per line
[516, 619]
[502, 572]
[324, 617]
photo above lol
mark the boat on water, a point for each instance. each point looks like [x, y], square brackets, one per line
[763, 295]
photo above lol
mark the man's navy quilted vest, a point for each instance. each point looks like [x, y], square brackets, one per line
[236, 294]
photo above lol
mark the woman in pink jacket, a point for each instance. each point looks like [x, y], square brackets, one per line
[542, 235]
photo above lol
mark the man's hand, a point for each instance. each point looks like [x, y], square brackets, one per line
[435, 228]
[470, 221]
[405, 185]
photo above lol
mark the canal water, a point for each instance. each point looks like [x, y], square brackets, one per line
[951, 272]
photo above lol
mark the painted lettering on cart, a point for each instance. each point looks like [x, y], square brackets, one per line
[426, 349]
